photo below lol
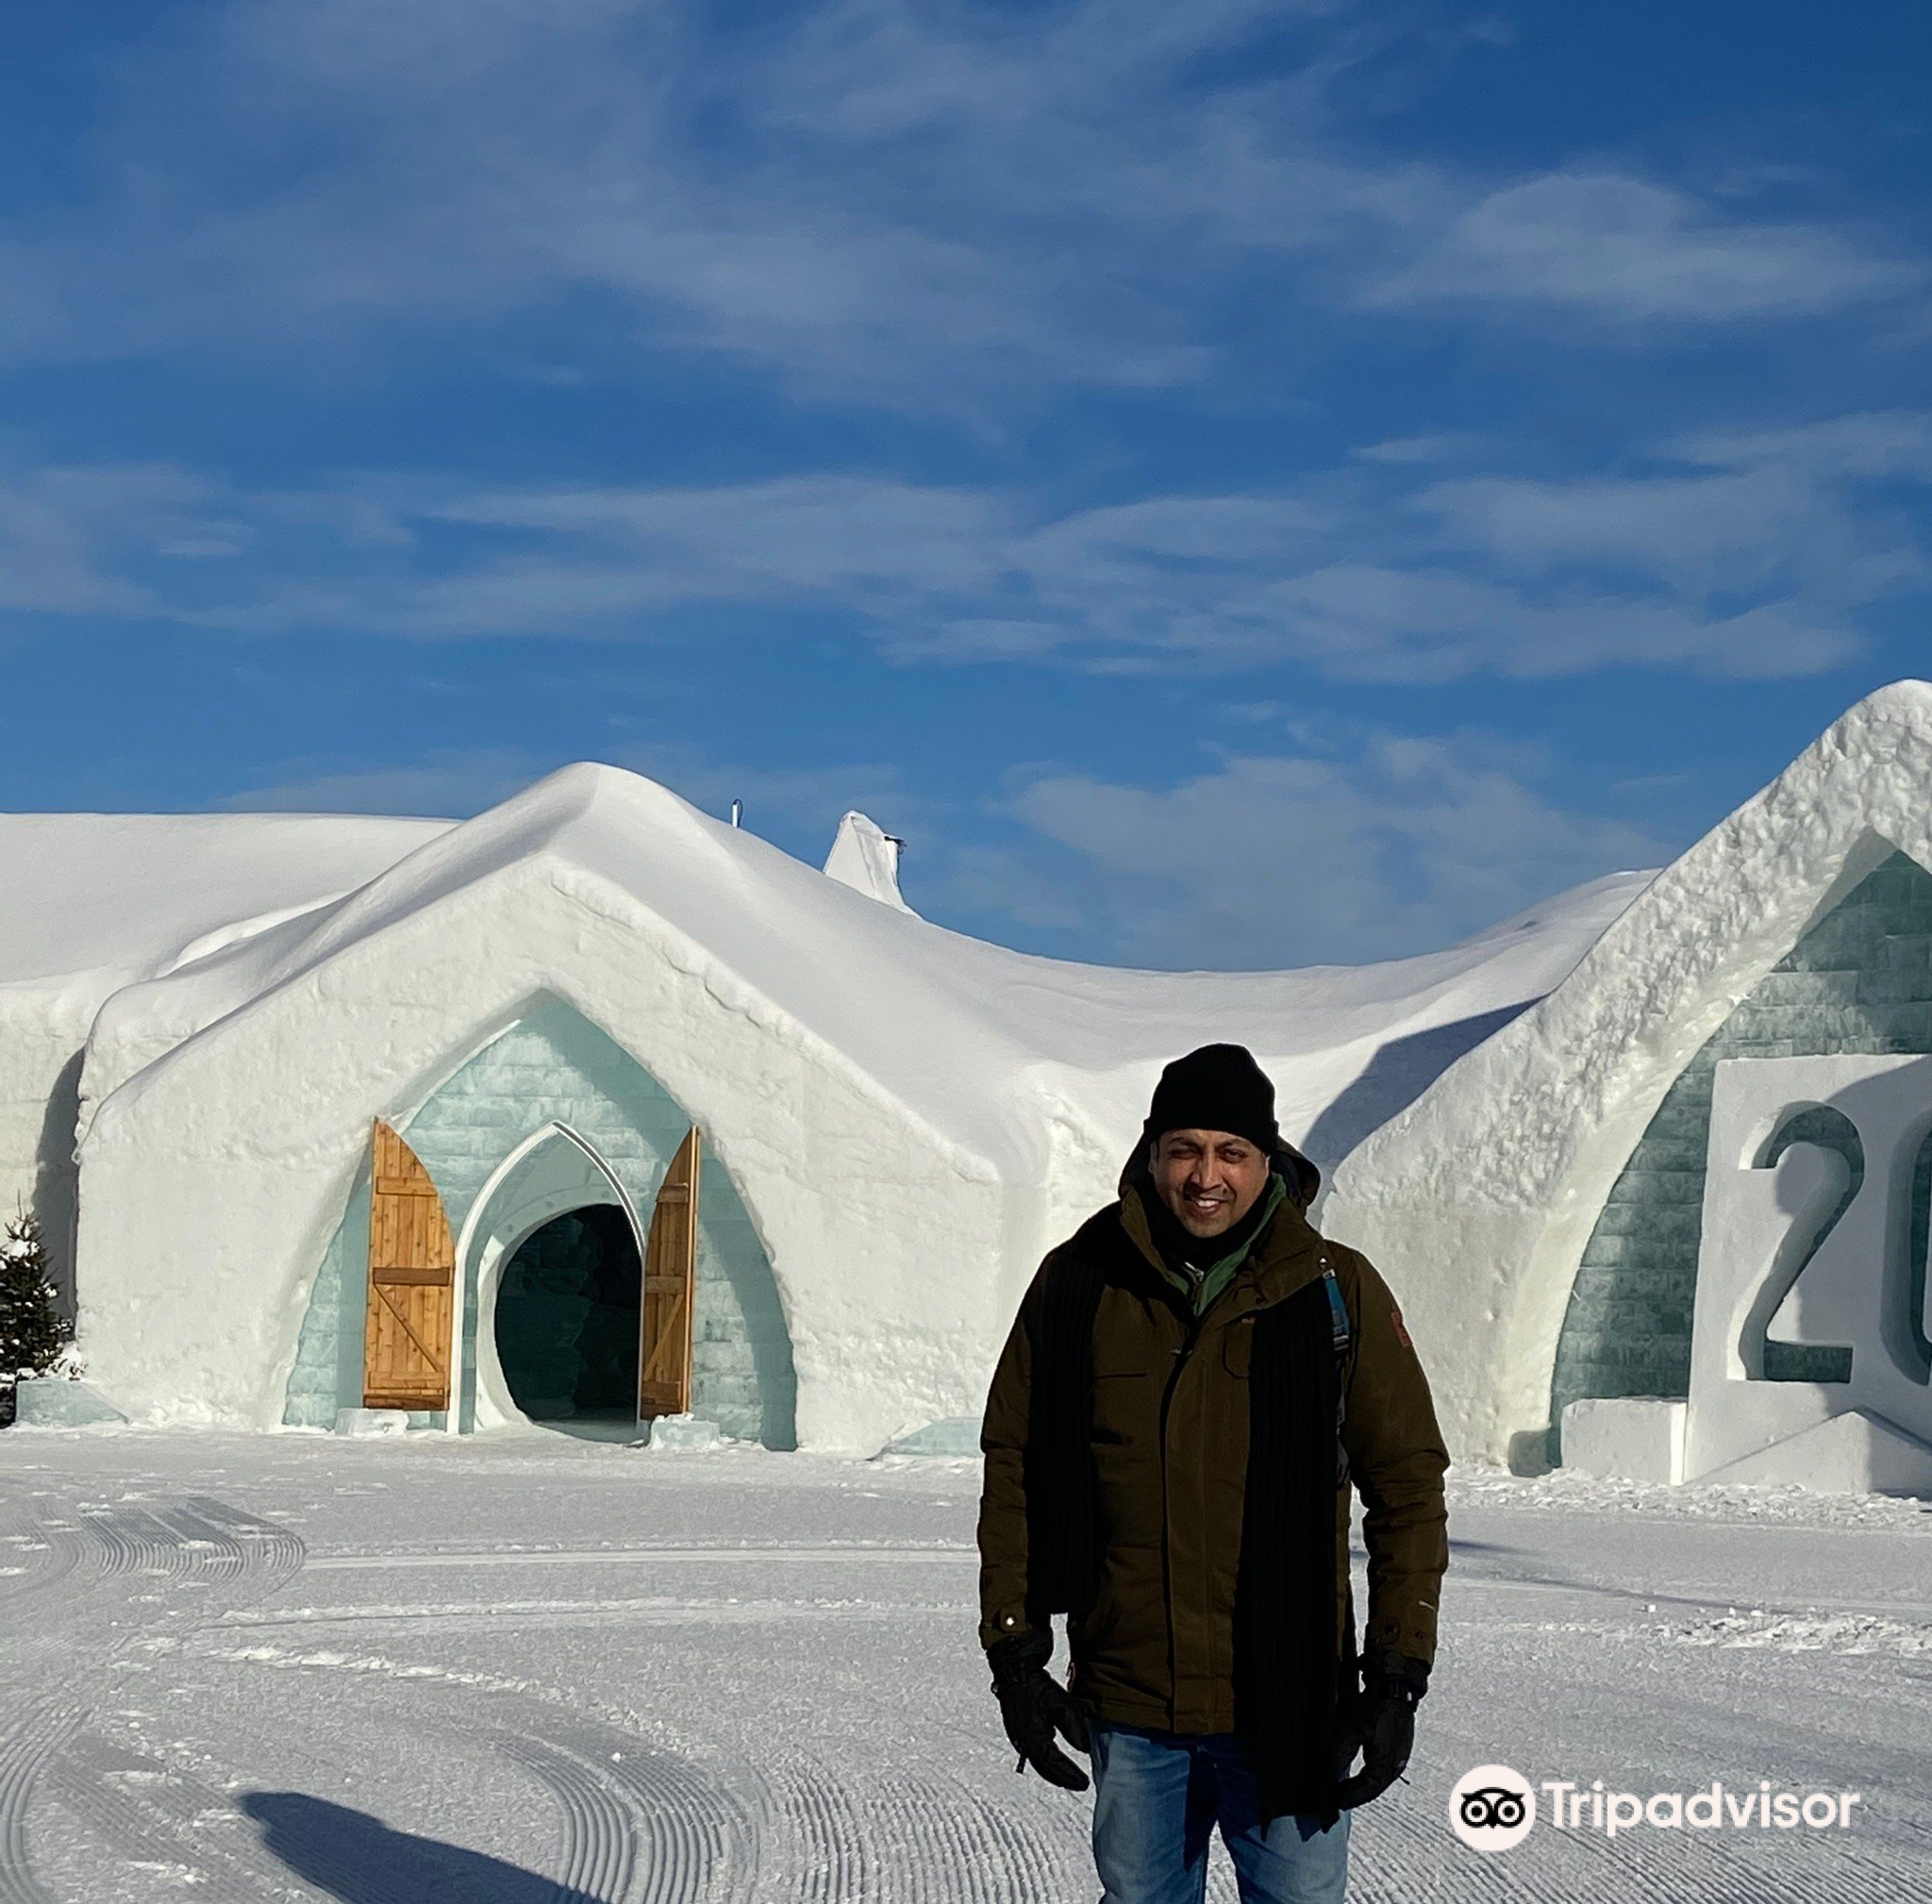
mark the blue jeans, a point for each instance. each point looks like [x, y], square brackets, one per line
[1157, 1799]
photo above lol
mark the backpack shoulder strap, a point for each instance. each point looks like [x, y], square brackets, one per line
[1338, 1313]
[1340, 1334]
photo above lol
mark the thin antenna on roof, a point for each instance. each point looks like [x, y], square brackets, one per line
[738, 812]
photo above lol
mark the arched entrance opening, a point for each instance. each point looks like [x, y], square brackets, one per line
[554, 1292]
[567, 1316]
[549, 1117]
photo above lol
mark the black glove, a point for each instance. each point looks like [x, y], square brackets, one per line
[1379, 1722]
[1033, 1706]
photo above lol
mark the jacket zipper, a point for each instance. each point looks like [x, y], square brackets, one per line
[1180, 1357]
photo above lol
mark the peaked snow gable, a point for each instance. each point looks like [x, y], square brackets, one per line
[1477, 1199]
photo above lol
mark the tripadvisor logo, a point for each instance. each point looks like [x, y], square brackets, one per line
[1493, 1807]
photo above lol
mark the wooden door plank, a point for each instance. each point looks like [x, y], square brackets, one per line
[411, 1287]
[670, 1280]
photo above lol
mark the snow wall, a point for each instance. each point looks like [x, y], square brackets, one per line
[1858, 982]
[877, 1233]
[1571, 1139]
[39, 1098]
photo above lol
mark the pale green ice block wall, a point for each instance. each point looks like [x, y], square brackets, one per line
[1861, 980]
[328, 1358]
[553, 1065]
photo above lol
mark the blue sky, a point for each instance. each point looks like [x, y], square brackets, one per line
[1233, 485]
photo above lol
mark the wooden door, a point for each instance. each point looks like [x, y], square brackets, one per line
[412, 1280]
[670, 1261]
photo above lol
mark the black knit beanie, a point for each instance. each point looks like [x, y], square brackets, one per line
[1220, 1087]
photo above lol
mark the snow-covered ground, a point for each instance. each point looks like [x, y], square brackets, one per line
[541, 1671]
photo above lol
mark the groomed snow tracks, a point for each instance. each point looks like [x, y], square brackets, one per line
[25, 1747]
[641, 1825]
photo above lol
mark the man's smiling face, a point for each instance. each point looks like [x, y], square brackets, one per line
[1208, 1178]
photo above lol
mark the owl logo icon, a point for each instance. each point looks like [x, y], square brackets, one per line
[1491, 1808]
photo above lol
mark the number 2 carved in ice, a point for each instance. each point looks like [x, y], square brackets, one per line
[1816, 1298]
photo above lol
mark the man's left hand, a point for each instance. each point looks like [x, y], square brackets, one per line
[1379, 1722]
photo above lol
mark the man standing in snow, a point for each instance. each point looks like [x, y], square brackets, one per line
[1194, 1379]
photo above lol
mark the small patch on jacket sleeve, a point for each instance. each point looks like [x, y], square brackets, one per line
[1401, 1332]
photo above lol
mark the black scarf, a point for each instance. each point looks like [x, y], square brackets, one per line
[1287, 1675]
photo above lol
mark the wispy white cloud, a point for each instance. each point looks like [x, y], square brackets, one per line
[1784, 524]
[1380, 844]
[875, 200]
[1873, 445]
[1440, 447]
[855, 194]
[1629, 251]
[71, 535]
[1370, 622]
[1748, 555]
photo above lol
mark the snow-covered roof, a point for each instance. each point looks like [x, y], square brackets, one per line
[1506, 1123]
[95, 900]
[957, 1029]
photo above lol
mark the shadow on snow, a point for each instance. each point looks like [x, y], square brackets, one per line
[359, 1860]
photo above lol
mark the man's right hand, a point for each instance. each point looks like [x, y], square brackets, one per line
[1035, 1706]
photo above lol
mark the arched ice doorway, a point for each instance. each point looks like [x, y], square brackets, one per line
[552, 1252]
[549, 1115]
[566, 1322]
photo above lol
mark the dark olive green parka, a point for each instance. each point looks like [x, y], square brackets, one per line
[1155, 1649]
